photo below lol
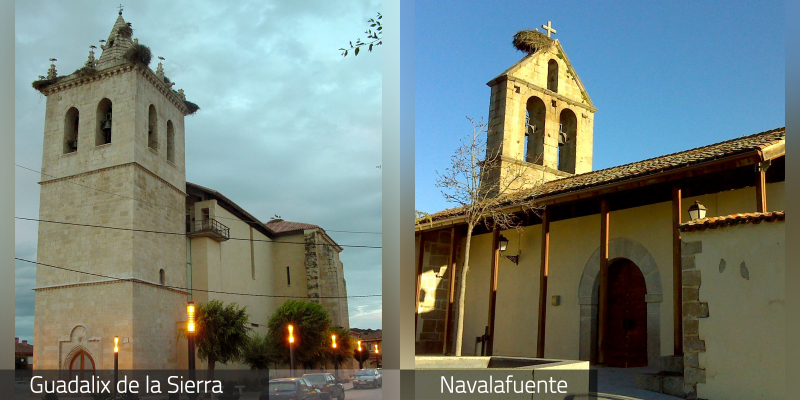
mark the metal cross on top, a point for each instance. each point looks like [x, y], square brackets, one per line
[548, 28]
[120, 9]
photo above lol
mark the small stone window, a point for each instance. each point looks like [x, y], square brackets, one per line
[552, 75]
[104, 120]
[152, 128]
[161, 276]
[71, 123]
[170, 142]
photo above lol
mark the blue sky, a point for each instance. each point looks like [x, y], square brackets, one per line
[665, 77]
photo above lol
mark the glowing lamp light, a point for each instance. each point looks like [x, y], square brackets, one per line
[333, 340]
[359, 345]
[376, 349]
[291, 335]
[116, 344]
[190, 316]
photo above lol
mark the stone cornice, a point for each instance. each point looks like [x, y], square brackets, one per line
[109, 281]
[114, 167]
[550, 93]
[71, 82]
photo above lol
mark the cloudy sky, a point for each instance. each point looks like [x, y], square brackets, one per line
[286, 126]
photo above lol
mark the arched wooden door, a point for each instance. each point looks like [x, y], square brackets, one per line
[626, 326]
[81, 364]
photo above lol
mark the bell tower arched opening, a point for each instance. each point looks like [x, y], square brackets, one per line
[104, 117]
[152, 128]
[567, 134]
[535, 115]
[71, 123]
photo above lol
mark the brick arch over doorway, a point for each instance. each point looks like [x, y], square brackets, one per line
[588, 297]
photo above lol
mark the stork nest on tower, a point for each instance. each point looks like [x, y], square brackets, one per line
[126, 31]
[531, 41]
[191, 106]
[139, 53]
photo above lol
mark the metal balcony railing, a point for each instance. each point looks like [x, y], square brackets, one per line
[208, 227]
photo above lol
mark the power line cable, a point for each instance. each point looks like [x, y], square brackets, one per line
[186, 234]
[198, 290]
[174, 208]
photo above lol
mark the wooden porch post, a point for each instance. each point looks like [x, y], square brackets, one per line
[761, 187]
[603, 289]
[543, 273]
[451, 262]
[677, 271]
[420, 259]
[493, 288]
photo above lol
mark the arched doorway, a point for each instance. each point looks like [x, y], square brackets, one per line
[629, 249]
[82, 363]
[626, 325]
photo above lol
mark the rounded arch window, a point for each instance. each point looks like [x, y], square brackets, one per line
[71, 124]
[535, 115]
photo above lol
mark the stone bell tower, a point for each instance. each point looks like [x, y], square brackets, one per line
[113, 156]
[540, 116]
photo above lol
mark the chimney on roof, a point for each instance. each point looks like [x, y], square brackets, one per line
[24, 342]
[16, 340]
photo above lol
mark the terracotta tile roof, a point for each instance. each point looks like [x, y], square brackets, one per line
[281, 226]
[733, 219]
[646, 167]
[23, 348]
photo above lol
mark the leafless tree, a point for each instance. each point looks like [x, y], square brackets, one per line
[482, 187]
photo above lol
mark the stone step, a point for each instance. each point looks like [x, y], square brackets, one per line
[663, 382]
[671, 364]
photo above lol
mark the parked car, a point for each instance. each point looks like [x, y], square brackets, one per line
[290, 389]
[368, 377]
[327, 384]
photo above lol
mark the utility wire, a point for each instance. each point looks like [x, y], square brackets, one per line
[186, 234]
[175, 208]
[198, 290]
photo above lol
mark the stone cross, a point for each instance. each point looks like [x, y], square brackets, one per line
[548, 28]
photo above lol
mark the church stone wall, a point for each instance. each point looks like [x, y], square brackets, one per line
[734, 312]
[100, 311]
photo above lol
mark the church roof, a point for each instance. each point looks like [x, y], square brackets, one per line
[733, 219]
[759, 141]
[281, 226]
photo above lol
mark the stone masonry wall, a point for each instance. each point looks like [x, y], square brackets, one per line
[434, 285]
[693, 311]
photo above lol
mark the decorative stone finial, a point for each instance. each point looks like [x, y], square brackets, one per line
[91, 61]
[51, 73]
[136, 41]
[181, 95]
[160, 71]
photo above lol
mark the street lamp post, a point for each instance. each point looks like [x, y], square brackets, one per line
[360, 358]
[116, 362]
[291, 349]
[190, 333]
[335, 364]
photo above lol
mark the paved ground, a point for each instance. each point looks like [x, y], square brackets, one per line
[617, 383]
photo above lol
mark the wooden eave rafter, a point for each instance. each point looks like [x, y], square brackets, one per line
[743, 159]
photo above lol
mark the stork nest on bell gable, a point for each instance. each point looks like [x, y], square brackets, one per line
[531, 41]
